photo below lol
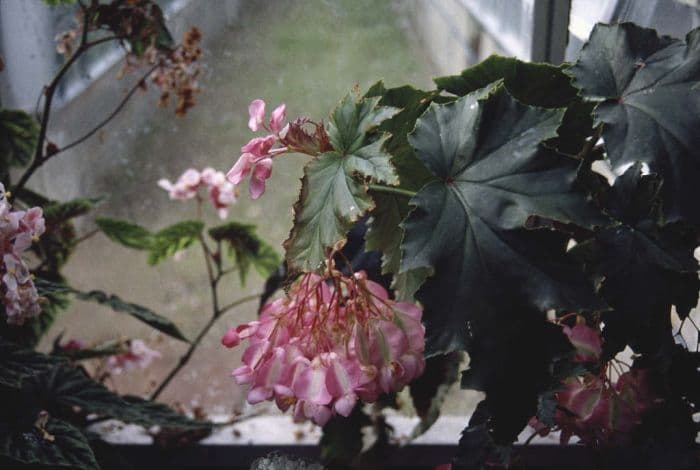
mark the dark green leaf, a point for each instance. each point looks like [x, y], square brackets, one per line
[60, 212]
[429, 391]
[384, 232]
[170, 240]
[467, 226]
[18, 364]
[126, 233]
[63, 446]
[246, 249]
[648, 92]
[139, 312]
[637, 253]
[536, 84]
[19, 134]
[109, 348]
[341, 441]
[334, 193]
[68, 387]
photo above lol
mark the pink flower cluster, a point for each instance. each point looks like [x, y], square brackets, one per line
[601, 413]
[138, 356]
[591, 406]
[256, 159]
[18, 229]
[222, 193]
[328, 343]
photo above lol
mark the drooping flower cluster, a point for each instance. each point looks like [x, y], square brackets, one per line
[138, 356]
[598, 410]
[300, 135]
[18, 229]
[328, 343]
[222, 193]
[602, 413]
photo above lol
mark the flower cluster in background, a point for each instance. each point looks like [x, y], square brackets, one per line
[18, 229]
[221, 192]
[328, 343]
[599, 410]
[139, 356]
[301, 136]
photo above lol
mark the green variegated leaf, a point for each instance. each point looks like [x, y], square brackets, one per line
[19, 133]
[125, 233]
[174, 238]
[246, 249]
[334, 188]
[139, 312]
[648, 93]
[467, 226]
[60, 445]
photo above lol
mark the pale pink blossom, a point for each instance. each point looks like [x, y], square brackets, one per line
[331, 341]
[185, 187]
[277, 118]
[256, 110]
[139, 356]
[221, 192]
[18, 230]
[256, 156]
[586, 340]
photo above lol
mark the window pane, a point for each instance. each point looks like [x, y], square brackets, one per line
[672, 17]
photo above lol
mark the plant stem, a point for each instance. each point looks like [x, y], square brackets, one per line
[379, 188]
[193, 345]
[216, 313]
[111, 116]
[49, 91]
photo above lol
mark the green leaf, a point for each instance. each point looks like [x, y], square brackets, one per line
[334, 191]
[126, 233]
[638, 253]
[536, 84]
[60, 212]
[246, 249]
[384, 232]
[341, 442]
[468, 225]
[429, 391]
[18, 363]
[19, 134]
[648, 93]
[108, 348]
[67, 387]
[174, 238]
[139, 312]
[63, 446]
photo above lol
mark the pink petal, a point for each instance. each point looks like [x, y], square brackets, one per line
[190, 178]
[242, 375]
[241, 169]
[256, 111]
[277, 118]
[166, 184]
[262, 172]
[259, 146]
[310, 385]
[344, 405]
[586, 340]
[231, 338]
[259, 394]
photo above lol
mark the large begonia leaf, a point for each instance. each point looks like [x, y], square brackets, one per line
[334, 186]
[467, 226]
[384, 233]
[648, 89]
[639, 252]
[58, 445]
